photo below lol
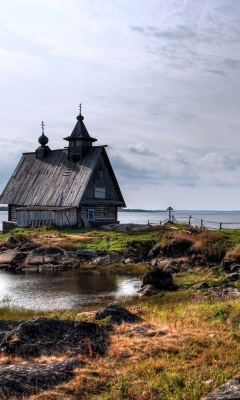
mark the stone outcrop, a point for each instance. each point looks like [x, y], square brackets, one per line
[118, 314]
[12, 259]
[27, 379]
[47, 255]
[45, 336]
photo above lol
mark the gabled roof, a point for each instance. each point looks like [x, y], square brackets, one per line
[54, 181]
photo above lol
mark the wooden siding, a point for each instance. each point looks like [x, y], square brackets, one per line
[101, 178]
[66, 217]
[103, 213]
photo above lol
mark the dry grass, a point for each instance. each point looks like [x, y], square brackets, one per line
[187, 345]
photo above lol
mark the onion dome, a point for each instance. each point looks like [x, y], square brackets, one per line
[43, 140]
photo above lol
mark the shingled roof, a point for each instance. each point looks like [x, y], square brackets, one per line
[55, 180]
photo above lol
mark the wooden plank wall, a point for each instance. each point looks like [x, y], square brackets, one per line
[47, 217]
[101, 178]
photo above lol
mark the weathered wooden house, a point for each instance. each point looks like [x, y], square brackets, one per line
[74, 186]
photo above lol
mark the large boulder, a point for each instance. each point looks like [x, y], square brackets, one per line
[12, 259]
[118, 314]
[160, 279]
[45, 336]
[47, 255]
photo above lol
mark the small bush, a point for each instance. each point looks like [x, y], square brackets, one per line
[21, 238]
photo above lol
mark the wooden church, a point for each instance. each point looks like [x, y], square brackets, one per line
[74, 186]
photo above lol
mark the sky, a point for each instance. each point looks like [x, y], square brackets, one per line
[159, 83]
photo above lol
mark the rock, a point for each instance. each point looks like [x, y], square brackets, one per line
[111, 258]
[10, 239]
[4, 248]
[234, 267]
[153, 253]
[160, 279]
[234, 276]
[148, 290]
[12, 258]
[7, 326]
[18, 380]
[169, 265]
[47, 255]
[177, 248]
[228, 391]
[148, 330]
[118, 314]
[87, 253]
[201, 285]
[45, 336]
[129, 261]
[28, 246]
[226, 264]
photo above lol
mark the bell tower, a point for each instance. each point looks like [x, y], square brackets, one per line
[80, 140]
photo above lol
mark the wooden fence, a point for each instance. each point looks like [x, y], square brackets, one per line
[197, 222]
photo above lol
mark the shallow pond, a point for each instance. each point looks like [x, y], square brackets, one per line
[48, 289]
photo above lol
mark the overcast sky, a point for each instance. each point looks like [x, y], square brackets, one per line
[159, 83]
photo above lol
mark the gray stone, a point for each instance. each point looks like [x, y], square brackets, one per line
[118, 314]
[10, 239]
[47, 255]
[28, 247]
[228, 391]
[153, 253]
[87, 253]
[234, 267]
[226, 264]
[111, 258]
[12, 257]
[201, 285]
[148, 290]
[27, 379]
[234, 276]
[171, 266]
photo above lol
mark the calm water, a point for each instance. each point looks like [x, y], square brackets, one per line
[48, 290]
[73, 289]
[210, 219]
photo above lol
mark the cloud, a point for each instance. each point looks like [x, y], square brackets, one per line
[140, 148]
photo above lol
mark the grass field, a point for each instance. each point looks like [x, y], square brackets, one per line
[191, 346]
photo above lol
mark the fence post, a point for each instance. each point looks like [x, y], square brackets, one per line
[148, 222]
[220, 226]
[201, 223]
[189, 221]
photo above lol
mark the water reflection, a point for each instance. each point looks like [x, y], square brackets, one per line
[50, 289]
